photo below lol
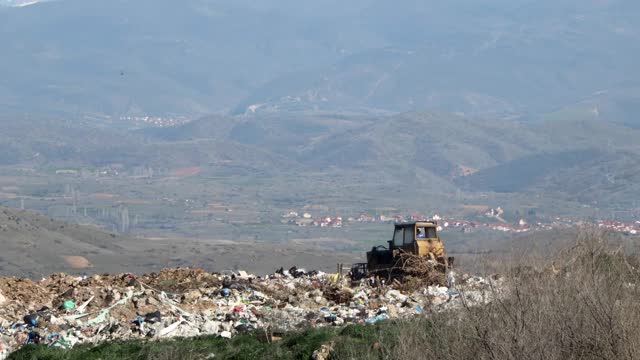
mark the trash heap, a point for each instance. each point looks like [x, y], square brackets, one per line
[64, 310]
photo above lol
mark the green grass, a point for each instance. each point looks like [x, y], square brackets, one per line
[352, 341]
[293, 346]
[348, 342]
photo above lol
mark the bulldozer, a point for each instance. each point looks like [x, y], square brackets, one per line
[417, 240]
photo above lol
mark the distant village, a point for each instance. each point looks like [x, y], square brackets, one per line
[497, 223]
[156, 121]
[305, 219]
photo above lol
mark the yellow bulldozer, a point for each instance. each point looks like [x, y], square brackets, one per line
[413, 240]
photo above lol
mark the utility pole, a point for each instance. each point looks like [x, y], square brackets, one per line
[124, 219]
[75, 200]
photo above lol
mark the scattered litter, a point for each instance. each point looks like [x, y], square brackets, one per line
[82, 307]
[31, 319]
[153, 317]
[169, 329]
[191, 302]
[68, 305]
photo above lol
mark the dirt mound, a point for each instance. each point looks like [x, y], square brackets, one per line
[77, 262]
[181, 279]
[24, 292]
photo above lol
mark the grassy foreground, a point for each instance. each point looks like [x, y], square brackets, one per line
[348, 341]
[579, 303]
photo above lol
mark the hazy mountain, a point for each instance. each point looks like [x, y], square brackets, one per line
[570, 153]
[489, 58]
[363, 97]
[114, 57]
[445, 151]
[499, 60]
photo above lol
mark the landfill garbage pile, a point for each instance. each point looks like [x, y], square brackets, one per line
[64, 310]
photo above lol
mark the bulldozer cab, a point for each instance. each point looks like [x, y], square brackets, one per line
[418, 238]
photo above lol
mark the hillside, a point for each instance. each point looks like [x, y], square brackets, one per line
[100, 62]
[190, 58]
[446, 152]
[33, 245]
[184, 177]
[481, 60]
[589, 160]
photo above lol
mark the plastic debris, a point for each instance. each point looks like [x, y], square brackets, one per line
[31, 319]
[191, 302]
[68, 305]
[153, 317]
[83, 307]
[169, 329]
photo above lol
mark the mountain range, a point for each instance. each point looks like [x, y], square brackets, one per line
[495, 58]
[409, 105]
[581, 159]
